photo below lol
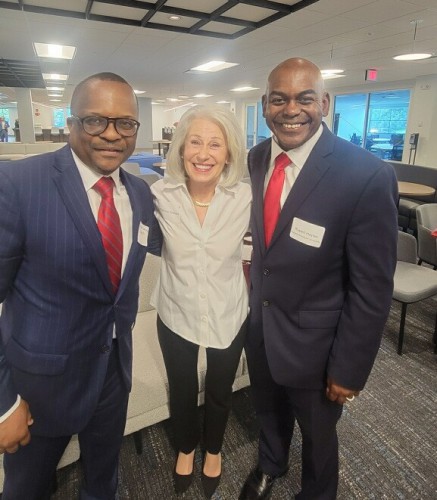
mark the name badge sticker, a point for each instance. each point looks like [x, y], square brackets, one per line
[307, 233]
[143, 234]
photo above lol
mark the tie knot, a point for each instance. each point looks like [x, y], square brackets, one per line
[104, 186]
[282, 161]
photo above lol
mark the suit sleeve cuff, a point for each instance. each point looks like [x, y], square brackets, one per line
[11, 410]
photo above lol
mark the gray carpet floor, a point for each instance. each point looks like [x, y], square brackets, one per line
[388, 436]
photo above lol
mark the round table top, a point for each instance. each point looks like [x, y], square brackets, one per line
[413, 189]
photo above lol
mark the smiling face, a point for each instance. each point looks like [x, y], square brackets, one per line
[105, 152]
[295, 102]
[205, 153]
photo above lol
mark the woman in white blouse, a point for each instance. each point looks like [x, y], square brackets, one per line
[201, 298]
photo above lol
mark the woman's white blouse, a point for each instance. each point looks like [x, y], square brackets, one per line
[201, 293]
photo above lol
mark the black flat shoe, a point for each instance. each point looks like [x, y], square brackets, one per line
[258, 485]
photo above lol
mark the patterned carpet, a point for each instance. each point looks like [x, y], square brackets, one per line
[388, 438]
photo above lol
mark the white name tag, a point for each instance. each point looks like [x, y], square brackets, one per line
[307, 233]
[143, 234]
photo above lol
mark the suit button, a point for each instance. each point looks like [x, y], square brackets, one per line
[105, 348]
[266, 272]
[266, 303]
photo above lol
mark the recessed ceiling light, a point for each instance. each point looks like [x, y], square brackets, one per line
[331, 71]
[54, 51]
[223, 102]
[55, 88]
[173, 99]
[183, 96]
[138, 92]
[213, 66]
[55, 94]
[180, 106]
[55, 100]
[54, 76]
[412, 57]
[202, 95]
[174, 18]
[331, 76]
[244, 89]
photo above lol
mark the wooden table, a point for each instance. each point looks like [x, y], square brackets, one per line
[165, 143]
[160, 164]
[413, 189]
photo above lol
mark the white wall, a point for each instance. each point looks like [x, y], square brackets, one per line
[42, 115]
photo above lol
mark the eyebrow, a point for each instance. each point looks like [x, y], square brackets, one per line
[216, 138]
[283, 94]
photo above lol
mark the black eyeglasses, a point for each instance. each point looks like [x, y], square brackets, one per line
[96, 125]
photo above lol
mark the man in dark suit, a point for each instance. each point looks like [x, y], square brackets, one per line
[324, 253]
[70, 260]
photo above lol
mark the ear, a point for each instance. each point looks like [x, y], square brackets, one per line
[326, 102]
[264, 104]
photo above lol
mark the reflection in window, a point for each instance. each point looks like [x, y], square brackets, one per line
[375, 121]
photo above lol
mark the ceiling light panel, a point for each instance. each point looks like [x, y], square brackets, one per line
[213, 66]
[54, 77]
[54, 51]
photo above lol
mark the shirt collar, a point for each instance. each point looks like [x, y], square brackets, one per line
[89, 177]
[300, 154]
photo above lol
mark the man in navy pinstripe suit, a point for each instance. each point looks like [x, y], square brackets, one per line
[66, 343]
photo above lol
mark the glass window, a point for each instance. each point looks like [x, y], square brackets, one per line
[58, 118]
[376, 121]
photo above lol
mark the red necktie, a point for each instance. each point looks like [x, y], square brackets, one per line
[272, 198]
[109, 226]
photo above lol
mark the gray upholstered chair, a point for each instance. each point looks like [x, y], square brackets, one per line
[427, 244]
[412, 283]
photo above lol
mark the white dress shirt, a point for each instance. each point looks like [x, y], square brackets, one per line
[298, 157]
[201, 293]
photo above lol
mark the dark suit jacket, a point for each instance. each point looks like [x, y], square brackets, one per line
[58, 305]
[321, 311]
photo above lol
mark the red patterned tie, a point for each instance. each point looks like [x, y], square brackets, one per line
[108, 222]
[272, 198]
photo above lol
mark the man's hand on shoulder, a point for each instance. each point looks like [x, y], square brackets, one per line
[14, 431]
[338, 393]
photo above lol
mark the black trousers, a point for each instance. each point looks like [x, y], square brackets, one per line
[180, 358]
[278, 409]
[29, 471]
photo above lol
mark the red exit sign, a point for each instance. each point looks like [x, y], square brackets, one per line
[371, 75]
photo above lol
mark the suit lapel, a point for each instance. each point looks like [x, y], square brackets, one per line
[73, 194]
[135, 202]
[258, 174]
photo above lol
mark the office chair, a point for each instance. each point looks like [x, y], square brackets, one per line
[426, 216]
[412, 283]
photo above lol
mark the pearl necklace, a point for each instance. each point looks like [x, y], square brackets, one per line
[200, 204]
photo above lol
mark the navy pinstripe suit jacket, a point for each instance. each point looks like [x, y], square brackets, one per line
[58, 305]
